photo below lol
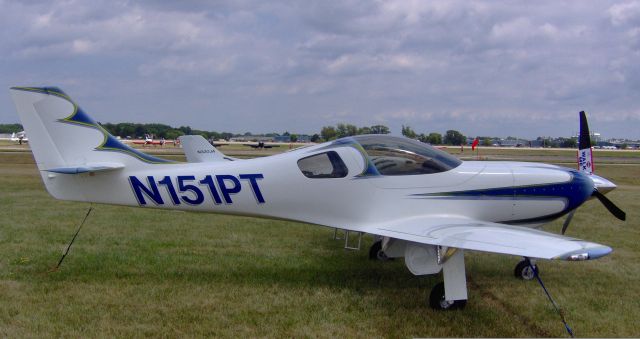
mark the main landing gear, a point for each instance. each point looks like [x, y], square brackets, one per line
[437, 300]
[452, 293]
[524, 271]
[421, 259]
[376, 252]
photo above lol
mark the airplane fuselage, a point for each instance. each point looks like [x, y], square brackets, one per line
[527, 194]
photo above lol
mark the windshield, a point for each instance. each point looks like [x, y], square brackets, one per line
[402, 156]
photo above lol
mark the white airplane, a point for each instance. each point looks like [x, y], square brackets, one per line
[19, 137]
[423, 204]
[148, 140]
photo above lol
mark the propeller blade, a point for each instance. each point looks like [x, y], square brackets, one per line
[617, 212]
[568, 221]
[584, 141]
[585, 154]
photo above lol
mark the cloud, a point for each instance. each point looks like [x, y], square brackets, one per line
[625, 13]
[366, 63]
[190, 65]
[483, 67]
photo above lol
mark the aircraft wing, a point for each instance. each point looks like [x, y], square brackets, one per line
[459, 232]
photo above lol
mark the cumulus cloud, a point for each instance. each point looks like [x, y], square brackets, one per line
[625, 13]
[482, 67]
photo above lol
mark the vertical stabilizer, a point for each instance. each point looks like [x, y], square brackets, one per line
[66, 141]
[63, 135]
[197, 149]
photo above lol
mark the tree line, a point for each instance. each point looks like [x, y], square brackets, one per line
[451, 137]
[11, 128]
[327, 133]
[139, 130]
[136, 130]
[346, 130]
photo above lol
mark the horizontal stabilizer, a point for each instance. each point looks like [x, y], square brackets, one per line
[95, 167]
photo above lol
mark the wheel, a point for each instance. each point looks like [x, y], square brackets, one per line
[438, 302]
[376, 252]
[523, 270]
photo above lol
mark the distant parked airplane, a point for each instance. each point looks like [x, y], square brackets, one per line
[261, 145]
[19, 137]
[148, 140]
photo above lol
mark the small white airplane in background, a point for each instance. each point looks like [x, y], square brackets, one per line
[421, 203]
[19, 137]
[149, 140]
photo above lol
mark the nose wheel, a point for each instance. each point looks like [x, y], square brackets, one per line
[524, 271]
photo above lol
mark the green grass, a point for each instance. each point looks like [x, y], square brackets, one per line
[140, 272]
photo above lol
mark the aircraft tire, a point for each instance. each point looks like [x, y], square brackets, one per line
[523, 271]
[376, 252]
[437, 301]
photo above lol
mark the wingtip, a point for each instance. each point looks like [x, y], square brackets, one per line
[587, 253]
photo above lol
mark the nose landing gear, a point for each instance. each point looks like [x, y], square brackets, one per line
[524, 271]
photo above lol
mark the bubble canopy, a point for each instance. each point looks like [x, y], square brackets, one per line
[402, 156]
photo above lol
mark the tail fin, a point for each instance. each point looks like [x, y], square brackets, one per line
[64, 135]
[64, 139]
[585, 153]
[198, 149]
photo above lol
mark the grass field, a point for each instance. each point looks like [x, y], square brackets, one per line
[140, 272]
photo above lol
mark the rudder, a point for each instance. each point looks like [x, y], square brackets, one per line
[65, 140]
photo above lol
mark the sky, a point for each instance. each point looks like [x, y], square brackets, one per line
[494, 68]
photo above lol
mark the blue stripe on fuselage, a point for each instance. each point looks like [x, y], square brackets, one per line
[573, 193]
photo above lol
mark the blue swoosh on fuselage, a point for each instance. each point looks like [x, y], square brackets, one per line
[573, 193]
